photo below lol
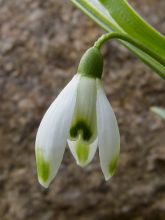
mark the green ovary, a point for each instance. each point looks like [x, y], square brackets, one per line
[112, 165]
[43, 167]
[82, 151]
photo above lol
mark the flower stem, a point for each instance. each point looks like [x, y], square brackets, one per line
[130, 40]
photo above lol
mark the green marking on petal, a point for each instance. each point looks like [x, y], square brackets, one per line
[82, 151]
[43, 167]
[81, 127]
[113, 165]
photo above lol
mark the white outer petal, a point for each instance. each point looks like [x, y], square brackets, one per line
[108, 133]
[92, 150]
[53, 131]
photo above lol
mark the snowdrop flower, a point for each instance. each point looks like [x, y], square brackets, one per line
[81, 116]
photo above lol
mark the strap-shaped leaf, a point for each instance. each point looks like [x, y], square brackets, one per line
[125, 16]
[100, 16]
[159, 111]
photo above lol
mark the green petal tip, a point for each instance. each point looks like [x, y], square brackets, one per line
[82, 151]
[43, 167]
[113, 165]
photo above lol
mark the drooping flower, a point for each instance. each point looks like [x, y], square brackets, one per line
[81, 116]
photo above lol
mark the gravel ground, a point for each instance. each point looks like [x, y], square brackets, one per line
[41, 43]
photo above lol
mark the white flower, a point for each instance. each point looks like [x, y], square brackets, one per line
[82, 116]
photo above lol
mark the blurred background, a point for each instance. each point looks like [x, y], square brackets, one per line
[41, 43]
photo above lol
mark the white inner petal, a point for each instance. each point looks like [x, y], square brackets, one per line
[82, 152]
[84, 119]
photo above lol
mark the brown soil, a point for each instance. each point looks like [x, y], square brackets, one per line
[41, 43]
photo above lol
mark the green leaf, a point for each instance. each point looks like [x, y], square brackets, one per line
[159, 111]
[100, 15]
[134, 25]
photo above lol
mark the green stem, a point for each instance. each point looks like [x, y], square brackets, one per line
[130, 40]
